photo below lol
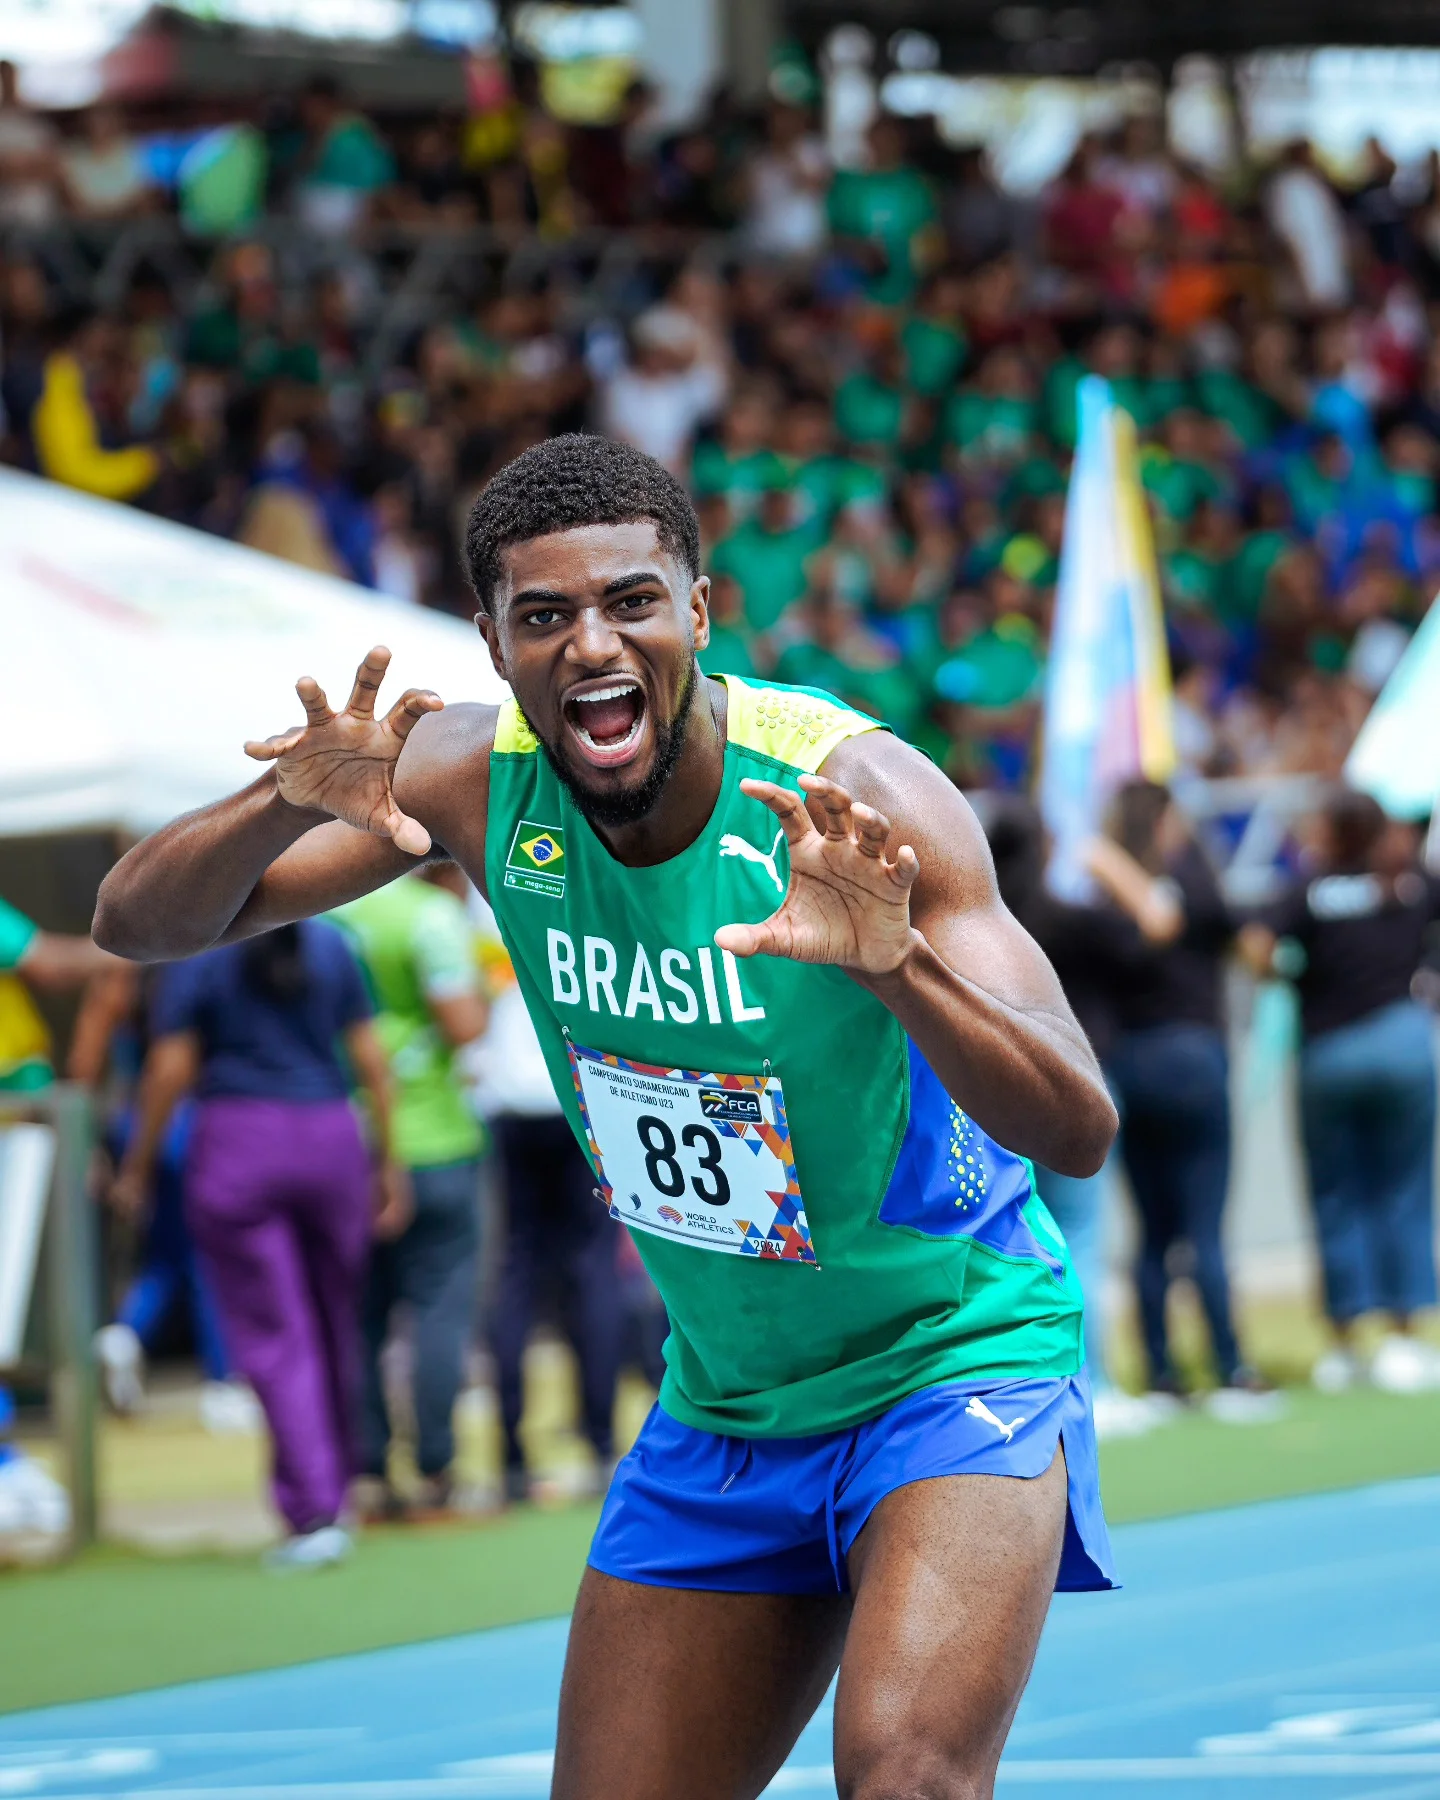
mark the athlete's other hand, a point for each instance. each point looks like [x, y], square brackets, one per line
[343, 763]
[848, 902]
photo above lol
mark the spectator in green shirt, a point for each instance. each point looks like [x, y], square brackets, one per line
[1176, 472]
[995, 419]
[933, 337]
[873, 409]
[825, 482]
[346, 161]
[415, 944]
[767, 557]
[740, 463]
[836, 653]
[883, 215]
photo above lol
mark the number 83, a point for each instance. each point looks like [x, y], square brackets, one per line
[662, 1166]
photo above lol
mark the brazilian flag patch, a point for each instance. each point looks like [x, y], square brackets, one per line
[536, 863]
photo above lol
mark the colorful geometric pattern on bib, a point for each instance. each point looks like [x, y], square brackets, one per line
[788, 1239]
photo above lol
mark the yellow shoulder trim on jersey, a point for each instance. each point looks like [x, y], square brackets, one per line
[792, 727]
[513, 736]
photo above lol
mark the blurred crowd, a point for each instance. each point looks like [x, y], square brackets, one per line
[868, 374]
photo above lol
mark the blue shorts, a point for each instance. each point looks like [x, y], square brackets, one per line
[693, 1509]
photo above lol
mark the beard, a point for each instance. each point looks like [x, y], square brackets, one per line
[627, 806]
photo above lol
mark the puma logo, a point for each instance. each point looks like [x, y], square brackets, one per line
[730, 845]
[977, 1409]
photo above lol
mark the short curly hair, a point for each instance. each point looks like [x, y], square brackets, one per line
[569, 481]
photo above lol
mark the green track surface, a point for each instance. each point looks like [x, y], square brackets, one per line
[120, 1621]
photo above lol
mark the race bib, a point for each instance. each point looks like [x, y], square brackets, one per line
[703, 1158]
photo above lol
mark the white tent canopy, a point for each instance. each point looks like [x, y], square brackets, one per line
[1397, 754]
[137, 656]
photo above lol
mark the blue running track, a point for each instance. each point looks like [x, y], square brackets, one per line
[1284, 1650]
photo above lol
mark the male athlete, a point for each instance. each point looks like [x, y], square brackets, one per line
[793, 1026]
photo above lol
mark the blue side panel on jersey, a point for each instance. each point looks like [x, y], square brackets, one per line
[951, 1180]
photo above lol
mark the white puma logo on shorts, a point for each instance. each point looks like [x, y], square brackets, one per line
[977, 1409]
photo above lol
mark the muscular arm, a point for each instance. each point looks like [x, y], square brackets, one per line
[258, 859]
[228, 871]
[976, 992]
[968, 983]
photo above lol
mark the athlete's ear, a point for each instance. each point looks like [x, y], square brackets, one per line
[486, 623]
[700, 610]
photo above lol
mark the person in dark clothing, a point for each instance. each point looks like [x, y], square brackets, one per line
[1092, 949]
[1367, 1083]
[1170, 1070]
[554, 1221]
[560, 1242]
[1096, 951]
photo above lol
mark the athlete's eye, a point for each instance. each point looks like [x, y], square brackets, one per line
[634, 601]
[542, 615]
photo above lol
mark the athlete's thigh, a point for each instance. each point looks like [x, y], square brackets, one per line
[672, 1692]
[953, 1578]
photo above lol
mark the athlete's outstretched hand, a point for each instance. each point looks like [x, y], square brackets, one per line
[342, 763]
[848, 903]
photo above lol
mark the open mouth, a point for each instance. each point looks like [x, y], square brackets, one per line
[606, 721]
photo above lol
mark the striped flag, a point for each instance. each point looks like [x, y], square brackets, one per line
[1107, 693]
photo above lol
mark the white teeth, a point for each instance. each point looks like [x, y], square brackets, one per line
[610, 743]
[609, 693]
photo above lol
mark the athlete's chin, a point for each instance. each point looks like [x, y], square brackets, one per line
[610, 789]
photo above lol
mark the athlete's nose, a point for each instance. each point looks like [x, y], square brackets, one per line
[593, 642]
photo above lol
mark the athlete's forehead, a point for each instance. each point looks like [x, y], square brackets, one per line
[588, 562]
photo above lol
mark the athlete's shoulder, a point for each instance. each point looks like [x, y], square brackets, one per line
[798, 726]
[925, 809]
[444, 768]
[441, 742]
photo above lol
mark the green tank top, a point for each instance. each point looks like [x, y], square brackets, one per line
[828, 1229]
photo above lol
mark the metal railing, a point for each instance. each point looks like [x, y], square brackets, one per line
[67, 1364]
[410, 270]
[1245, 822]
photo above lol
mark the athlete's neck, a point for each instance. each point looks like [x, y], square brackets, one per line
[688, 798]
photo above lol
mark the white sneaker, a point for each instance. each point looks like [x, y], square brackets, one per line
[230, 1407]
[320, 1549]
[1336, 1372]
[1404, 1365]
[31, 1499]
[1246, 1406]
[122, 1367]
[1122, 1415]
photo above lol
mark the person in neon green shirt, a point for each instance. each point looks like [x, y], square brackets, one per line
[417, 950]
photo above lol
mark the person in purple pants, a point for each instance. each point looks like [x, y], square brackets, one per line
[281, 1189]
